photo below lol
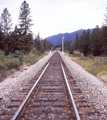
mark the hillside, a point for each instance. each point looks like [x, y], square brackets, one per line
[57, 39]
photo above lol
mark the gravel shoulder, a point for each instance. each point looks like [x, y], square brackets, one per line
[93, 88]
[14, 83]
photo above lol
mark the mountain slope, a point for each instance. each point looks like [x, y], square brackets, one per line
[57, 39]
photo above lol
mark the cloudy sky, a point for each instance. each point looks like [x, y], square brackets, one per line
[51, 17]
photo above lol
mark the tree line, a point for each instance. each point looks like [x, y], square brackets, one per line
[21, 38]
[94, 43]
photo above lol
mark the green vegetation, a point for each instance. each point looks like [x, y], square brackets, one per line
[95, 65]
[18, 48]
[16, 61]
[91, 42]
[31, 59]
[94, 43]
[90, 50]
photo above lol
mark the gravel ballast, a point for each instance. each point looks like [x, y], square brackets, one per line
[92, 87]
[14, 83]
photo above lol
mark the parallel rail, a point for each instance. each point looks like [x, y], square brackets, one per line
[28, 96]
[17, 114]
[70, 93]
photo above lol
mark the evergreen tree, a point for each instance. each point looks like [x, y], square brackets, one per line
[36, 43]
[72, 48]
[87, 43]
[66, 45]
[45, 44]
[104, 40]
[39, 44]
[76, 43]
[104, 36]
[96, 42]
[50, 45]
[2, 40]
[25, 18]
[84, 43]
[6, 22]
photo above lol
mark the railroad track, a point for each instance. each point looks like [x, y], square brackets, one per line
[50, 96]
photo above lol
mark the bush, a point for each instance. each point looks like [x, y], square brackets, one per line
[34, 51]
[104, 60]
[78, 54]
[30, 60]
[13, 63]
[2, 55]
[2, 65]
[18, 54]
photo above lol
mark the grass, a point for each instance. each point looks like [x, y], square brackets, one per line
[96, 66]
[86, 63]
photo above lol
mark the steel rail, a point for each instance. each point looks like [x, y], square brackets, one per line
[27, 97]
[70, 93]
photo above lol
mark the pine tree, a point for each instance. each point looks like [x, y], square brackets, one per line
[82, 41]
[96, 42]
[104, 36]
[25, 18]
[2, 40]
[76, 42]
[104, 40]
[87, 43]
[36, 43]
[72, 47]
[6, 22]
[45, 44]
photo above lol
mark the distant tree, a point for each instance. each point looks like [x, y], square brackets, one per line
[39, 44]
[50, 45]
[84, 42]
[96, 42]
[36, 43]
[104, 36]
[25, 18]
[71, 48]
[104, 40]
[6, 22]
[2, 40]
[45, 44]
[66, 45]
[76, 43]
[87, 43]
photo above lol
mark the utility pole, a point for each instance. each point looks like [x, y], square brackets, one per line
[63, 44]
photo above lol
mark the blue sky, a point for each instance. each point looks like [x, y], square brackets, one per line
[51, 17]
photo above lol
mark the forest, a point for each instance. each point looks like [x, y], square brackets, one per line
[89, 43]
[18, 45]
[94, 43]
[21, 38]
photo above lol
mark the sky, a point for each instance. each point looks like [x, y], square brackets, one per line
[52, 17]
